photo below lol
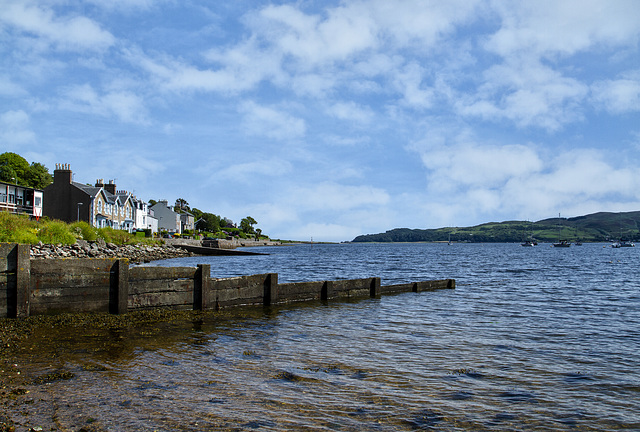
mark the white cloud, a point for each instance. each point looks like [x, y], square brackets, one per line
[66, 32]
[14, 129]
[271, 122]
[9, 88]
[346, 31]
[350, 111]
[334, 197]
[125, 105]
[409, 84]
[249, 171]
[527, 93]
[618, 96]
[125, 5]
[475, 179]
[550, 27]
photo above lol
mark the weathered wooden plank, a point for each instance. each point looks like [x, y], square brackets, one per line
[72, 291]
[153, 273]
[398, 288]
[58, 306]
[70, 266]
[165, 299]
[300, 291]
[141, 287]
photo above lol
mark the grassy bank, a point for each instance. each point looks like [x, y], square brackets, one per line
[20, 229]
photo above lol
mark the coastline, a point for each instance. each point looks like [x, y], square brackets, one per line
[82, 249]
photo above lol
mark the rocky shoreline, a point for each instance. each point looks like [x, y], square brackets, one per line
[138, 253]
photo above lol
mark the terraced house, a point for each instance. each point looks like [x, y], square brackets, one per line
[100, 205]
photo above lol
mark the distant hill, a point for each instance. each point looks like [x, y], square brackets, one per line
[596, 227]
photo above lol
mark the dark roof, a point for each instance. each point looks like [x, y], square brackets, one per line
[89, 190]
[94, 190]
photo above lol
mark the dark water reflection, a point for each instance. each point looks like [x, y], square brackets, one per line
[531, 339]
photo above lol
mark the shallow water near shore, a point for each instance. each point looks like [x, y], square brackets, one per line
[531, 339]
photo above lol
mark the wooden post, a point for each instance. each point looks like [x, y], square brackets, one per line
[22, 280]
[421, 286]
[374, 290]
[270, 289]
[119, 287]
[327, 290]
[201, 287]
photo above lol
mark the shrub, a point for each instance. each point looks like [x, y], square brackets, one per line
[118, 237]
[25, 237]
[84, 231]
[9, 225]
[56, 232]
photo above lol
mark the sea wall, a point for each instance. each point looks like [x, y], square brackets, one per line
[111, 285]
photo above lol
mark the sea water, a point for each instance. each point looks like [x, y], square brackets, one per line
[532, 338]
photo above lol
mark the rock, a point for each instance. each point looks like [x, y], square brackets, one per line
[135, 253]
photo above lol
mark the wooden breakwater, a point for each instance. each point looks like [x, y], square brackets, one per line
[110, 285]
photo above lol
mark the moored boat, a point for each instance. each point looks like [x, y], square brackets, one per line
[622, 243]
[562, 243]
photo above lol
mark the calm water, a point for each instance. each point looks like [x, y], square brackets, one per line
[531, 339]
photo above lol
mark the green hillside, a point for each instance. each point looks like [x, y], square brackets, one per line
[595, 227]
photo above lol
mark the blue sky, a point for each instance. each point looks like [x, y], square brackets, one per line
[327, 119]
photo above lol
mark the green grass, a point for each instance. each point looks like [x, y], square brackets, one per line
[20, 229]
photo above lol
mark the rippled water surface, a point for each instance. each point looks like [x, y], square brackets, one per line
[531, 339]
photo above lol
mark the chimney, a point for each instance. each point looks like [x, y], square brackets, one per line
[62, 174]
[110, 187]
[100, 183]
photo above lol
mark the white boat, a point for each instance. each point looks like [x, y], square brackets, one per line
[622, 243]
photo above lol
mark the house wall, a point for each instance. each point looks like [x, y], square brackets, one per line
[167, 219]
[43, 287]
[61, 198]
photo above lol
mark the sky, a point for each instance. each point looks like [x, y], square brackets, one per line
[326, 119]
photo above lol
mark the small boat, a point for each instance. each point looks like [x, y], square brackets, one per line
[622, 243]
[529, 243]
[562, 243]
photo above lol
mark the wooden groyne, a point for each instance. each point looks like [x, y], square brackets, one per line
[110, 285]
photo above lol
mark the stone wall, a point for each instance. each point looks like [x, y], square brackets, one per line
[110, 285]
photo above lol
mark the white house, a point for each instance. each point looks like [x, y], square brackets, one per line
[143, 216]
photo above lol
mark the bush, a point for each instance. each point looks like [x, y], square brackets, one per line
[11, 224]
[118, 237]
[83, 231]
[56, 232]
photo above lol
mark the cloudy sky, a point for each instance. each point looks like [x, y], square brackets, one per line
[330, 119]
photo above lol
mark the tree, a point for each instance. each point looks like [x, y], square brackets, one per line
[181, 206]
[246, 224]
[38, 176]
[208, 222]
[13, 168]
